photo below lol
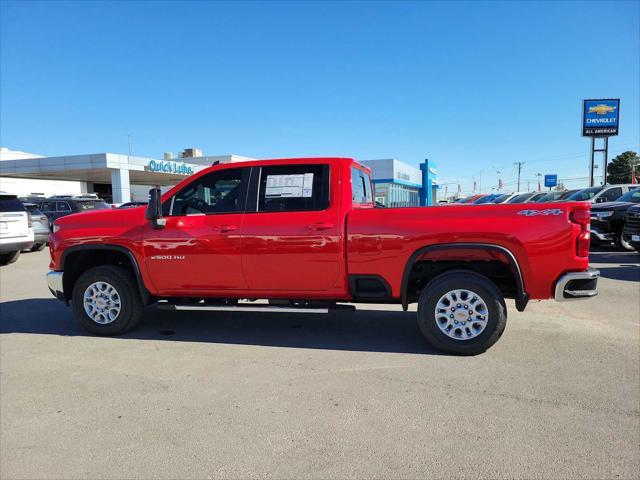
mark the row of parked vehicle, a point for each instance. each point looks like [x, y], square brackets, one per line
[613, 220]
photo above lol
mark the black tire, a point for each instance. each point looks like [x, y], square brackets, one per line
[621, 243]
[8, 258]
[496, 319]
[37, 247]
[131, 307]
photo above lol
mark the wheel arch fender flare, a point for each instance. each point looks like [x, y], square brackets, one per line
[145, 295]
[522, 298]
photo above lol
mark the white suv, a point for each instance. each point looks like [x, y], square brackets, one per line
[15, 229]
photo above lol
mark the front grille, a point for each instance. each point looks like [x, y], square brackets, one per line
[632, 223]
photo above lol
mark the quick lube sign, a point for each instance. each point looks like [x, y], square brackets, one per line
[600, 117]
[169, 167]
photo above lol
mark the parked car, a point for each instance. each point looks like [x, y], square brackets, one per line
[505, 197]
[41, 228]
[555, 196]
[607, 220]
[58, 207]
[526, 197]
[604, 193]
[303, 235]
[486, 199]
[632, 227]
[16, 233]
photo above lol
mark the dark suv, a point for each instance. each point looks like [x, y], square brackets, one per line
[55, 208]
[608, 219]
[632, 227]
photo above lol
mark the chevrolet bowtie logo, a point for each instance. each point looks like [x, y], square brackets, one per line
[601, 109]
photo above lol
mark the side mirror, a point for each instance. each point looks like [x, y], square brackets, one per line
[601, 200]
[154, 208]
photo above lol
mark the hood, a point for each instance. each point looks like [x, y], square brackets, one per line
[100, 218]
[611, 206]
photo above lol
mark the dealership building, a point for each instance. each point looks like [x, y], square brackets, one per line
[122, 178]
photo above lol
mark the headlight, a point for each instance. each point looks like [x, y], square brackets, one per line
[602, 214]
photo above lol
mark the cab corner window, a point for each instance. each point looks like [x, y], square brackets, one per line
[290, 188]
[217, 192]
[360, 187]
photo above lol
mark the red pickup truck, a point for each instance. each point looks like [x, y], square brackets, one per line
[305, 234]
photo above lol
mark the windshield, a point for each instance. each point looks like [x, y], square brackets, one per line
[585, 194]
[33, 210]
[92, 205]
[465, 199]
[10, 203]
[631, 196]
[547, 197]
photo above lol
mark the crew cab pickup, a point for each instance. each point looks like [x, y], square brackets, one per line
[306, 235]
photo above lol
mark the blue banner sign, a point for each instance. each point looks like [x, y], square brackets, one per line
[550, 180]
[600, 117]
[170, 167]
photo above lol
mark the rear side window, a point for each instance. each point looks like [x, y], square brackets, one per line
[34, 210]
[291, 188]
[360, 187]
[10, 203]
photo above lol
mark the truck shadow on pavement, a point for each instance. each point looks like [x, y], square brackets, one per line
[362, 330]
[627, 264]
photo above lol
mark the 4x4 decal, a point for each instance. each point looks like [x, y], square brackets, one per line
[548, 211]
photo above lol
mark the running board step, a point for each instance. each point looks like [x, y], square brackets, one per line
[249, 308]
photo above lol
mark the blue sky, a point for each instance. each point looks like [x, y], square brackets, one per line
[473, 86]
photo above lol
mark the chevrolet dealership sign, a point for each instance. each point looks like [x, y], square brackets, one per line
[600, 117]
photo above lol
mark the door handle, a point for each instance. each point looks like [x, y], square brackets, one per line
[320, 226]
[225, 228]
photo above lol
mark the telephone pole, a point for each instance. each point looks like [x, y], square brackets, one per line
[519, 165]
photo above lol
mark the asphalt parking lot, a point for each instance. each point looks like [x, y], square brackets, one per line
[350, 395]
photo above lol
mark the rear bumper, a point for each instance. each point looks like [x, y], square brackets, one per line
[14, 246]
[577, 285]
[40, 237]
[54, 282]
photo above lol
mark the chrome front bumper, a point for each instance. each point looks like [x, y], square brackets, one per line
[577, 285]
[56, 287]
[603, 237]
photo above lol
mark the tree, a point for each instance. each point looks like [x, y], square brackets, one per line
[619, 170]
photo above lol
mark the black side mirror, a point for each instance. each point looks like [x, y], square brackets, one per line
[154, 208]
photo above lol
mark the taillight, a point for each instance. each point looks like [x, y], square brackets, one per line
[29, 221]
[582, 218]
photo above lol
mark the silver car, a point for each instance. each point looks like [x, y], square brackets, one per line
[41, 227]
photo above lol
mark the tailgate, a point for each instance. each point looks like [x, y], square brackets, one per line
[13, 225]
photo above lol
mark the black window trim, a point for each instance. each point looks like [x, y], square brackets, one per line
[254, 189]
[244, 181]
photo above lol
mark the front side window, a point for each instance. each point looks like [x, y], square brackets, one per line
[291, 188]
[63, 207]
[612, 194]
[360, 187]
[217, 192]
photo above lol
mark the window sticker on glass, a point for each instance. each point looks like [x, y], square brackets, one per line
[289, 186]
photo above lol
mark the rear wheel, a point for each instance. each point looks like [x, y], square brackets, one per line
[461, 312]
[38, 247]
[621, 243]
[106, 300]
[11, 257]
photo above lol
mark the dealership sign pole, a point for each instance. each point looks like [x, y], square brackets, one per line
[600, 120]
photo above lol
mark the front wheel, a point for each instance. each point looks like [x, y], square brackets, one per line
[461, 312]
[621, 243]
[106, 301]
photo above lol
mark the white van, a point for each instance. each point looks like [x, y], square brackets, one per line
[15, 229]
